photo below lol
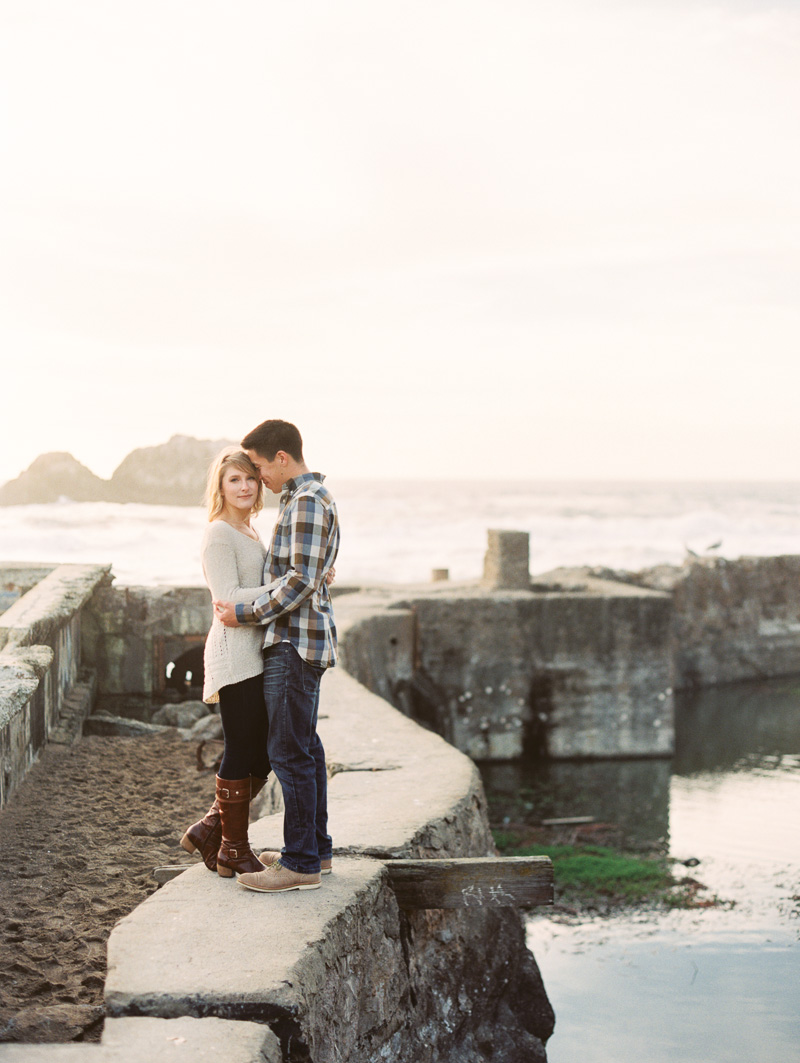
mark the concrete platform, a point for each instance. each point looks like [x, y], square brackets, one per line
[242, 954]
[182, 1040]
[339, 973]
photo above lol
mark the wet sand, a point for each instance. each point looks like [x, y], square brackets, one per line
[80, 839]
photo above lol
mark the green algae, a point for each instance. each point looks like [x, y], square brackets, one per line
[591, 874]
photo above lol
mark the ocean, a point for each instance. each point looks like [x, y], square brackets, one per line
[398, 531]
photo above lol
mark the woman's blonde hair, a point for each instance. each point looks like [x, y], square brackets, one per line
[235, 456]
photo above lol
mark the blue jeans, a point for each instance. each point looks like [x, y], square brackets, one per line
[291, 692]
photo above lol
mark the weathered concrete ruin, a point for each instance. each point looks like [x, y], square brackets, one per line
[350, 976]
[580, 663]
[576, 664]
[580, 669]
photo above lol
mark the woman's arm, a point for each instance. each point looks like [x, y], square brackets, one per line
[222, 573]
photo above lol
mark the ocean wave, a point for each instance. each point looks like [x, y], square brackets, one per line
[399, 532]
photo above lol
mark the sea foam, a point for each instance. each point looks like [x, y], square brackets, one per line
[398, 532]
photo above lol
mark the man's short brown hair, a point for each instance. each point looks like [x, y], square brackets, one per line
[271, 436]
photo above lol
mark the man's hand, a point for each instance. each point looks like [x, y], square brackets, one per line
[226, 612]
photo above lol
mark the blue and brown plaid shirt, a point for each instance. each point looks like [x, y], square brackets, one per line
[297, 605]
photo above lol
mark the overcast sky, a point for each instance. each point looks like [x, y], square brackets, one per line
[471, 239]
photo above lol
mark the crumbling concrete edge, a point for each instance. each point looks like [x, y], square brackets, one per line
[33, 618]
[45, 694]
[21, 671]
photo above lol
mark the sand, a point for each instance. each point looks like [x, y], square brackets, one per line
[80, 839]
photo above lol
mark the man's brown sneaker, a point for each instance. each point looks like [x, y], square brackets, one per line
[278, 879]
[269, 857]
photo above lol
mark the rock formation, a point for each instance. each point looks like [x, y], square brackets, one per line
[171, 474]
[54, 476]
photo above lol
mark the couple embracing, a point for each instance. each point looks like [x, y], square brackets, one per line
[272, 637]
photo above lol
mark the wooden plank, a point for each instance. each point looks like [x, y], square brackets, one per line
[166, 874]
[474, 882]
[567, 821]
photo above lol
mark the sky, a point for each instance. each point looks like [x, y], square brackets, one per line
[475, 240]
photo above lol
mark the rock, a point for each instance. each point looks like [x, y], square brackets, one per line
[106, 724]
[56, 1022]
[205, 729]
[269, 801]
[50, 477]
[183, 714]
[171, 474]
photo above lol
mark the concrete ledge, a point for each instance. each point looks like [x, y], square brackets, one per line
[340, 974]
[17, 578]
[40, 665]
[252, 961]
[37, 616]
[144, 1040]
[25, 690]
[21, 672]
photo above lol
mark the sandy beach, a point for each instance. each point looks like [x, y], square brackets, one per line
[80, 839]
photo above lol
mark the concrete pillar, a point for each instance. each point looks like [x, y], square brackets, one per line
[505, 566]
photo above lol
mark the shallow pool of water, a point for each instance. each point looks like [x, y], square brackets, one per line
[700, 987]
[714, 985]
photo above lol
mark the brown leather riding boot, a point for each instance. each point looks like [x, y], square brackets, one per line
[235, 855]
[205, 836]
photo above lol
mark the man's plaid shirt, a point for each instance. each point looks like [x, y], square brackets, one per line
[297, 604]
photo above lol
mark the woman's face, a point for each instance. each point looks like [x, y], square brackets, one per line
[239, 490]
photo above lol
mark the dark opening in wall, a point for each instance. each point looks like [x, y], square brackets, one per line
[537, 729]
[185, 674]
[178, 667]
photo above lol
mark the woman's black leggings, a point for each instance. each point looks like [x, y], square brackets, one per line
[246, 729]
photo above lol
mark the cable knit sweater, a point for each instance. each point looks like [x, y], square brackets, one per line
[233, 565]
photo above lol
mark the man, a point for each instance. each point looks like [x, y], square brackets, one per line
[299, 644]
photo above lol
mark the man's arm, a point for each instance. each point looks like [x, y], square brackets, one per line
[308, 545]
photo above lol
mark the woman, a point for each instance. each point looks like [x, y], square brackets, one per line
[233, 565]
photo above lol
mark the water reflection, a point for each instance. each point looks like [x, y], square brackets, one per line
[737, 726]
[747, 729]
[632, 794]
[661, 991]
[710, 986]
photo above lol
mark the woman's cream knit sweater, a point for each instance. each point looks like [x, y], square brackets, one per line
[233, 565]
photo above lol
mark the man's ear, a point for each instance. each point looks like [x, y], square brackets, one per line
[282, 458]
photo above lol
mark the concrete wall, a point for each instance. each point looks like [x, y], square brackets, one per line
[581, 670]
[578, 665]
[42, 688]
[130, 632]
[27, 712]
[736, 620]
